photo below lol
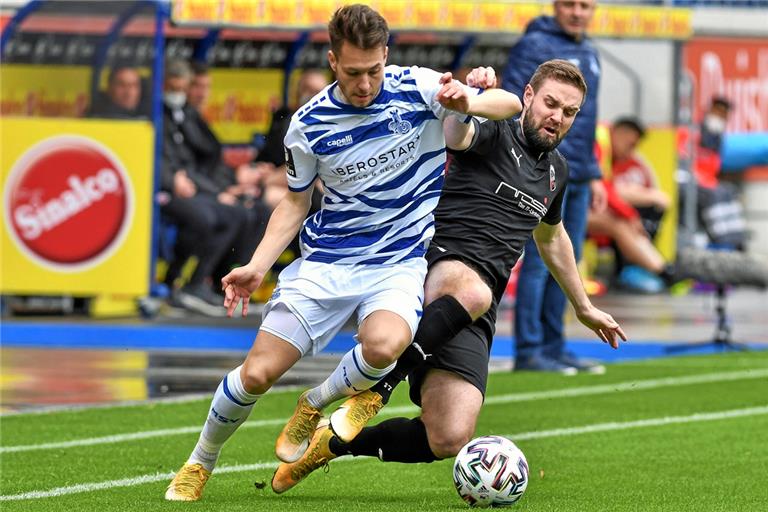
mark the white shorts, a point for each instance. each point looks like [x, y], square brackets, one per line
[323, 296]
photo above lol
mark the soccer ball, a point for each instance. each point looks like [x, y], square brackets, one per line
[490, 471]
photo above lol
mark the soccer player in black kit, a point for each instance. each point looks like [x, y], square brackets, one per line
[506, 184]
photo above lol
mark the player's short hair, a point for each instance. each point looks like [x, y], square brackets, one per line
[632, 123]
[562, 71]
[360, 26]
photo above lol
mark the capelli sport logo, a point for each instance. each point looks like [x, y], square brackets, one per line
[68, 203]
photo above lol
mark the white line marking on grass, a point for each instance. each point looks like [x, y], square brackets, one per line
[558, 432]
[600, 389]
[391, 411]
[134, 436]
[652, 422]
[630, 386]
[126, 482]
[162, 400]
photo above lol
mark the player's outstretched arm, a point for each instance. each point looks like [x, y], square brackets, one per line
[458, 135]
[283, 225]
[557, 252]
[495, 104]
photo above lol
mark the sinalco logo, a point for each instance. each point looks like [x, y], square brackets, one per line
[68, 203]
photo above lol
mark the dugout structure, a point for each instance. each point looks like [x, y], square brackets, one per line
[62, 240]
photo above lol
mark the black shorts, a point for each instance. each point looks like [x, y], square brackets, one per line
[467, 354]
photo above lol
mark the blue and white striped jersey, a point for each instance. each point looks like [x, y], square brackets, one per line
[381, 167]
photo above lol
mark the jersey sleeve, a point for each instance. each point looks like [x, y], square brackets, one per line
[300, 161]
[428, 84]
[555, 212]
[487, 138]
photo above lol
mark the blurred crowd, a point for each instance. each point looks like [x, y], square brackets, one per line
[213, 215]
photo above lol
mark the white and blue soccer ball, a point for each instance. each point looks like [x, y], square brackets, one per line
[490, 471]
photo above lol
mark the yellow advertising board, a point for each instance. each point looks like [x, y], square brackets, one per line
[76, 205]
[241, 102]
[27, 90]
[490, 16]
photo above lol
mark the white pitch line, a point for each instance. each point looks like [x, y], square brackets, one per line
[125, 404]
[390, 411]
[125, 482]
[558, 432]
[652, 422]
[134, 436]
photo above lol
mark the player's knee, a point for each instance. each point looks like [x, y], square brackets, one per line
[256, 380]
[476, 299]
[380, 352]
[447, 444]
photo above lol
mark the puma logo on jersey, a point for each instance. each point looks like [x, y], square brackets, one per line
[517, 157]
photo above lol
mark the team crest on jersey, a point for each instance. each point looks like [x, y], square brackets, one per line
[398, 125]
[552, 182]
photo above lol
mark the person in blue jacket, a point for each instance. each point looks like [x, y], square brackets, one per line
[540, 304]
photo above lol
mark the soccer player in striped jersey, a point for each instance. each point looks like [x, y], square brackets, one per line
[375, 140]
[512, 179]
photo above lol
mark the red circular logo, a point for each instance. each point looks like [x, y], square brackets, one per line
[68, 202]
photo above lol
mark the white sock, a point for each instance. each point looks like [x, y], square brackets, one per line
[230, 407]
[352, 376]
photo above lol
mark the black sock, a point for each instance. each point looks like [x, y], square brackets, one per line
[443, 319]
[393, 440]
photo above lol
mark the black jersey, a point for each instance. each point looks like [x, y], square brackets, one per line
[495, 194]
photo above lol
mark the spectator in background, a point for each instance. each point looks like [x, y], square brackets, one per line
[635, 208]
[199, 87]
[269, 165]
[208, 155]
[209, 219]
[719, 211]
[123, 98]
[540, 303]
[632, 178]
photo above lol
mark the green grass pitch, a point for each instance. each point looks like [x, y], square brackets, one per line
[676, 434]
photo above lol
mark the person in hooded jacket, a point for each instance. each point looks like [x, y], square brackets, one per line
[540, 303]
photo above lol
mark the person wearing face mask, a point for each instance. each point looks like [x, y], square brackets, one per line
[719, 211]
[540, 303]
[209, 221]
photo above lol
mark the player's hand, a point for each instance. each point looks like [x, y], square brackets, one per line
[238, 286]
[452, 94]
[484, 78]
[603, 324]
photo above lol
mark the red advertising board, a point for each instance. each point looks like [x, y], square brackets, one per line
[736, 69]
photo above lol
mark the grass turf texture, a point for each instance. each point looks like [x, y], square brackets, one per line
[694, 465]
